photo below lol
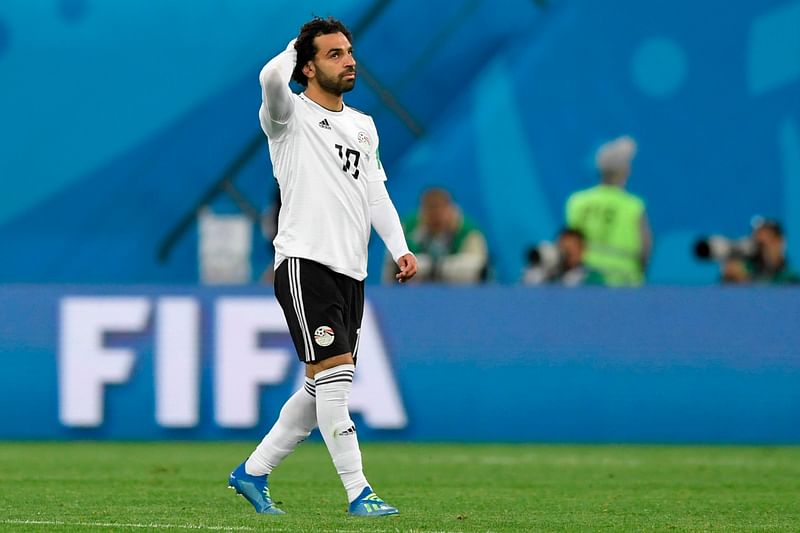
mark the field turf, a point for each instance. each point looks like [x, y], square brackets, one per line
[90, 486]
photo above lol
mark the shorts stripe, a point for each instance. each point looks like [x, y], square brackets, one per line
[297, 300]
[358, 338]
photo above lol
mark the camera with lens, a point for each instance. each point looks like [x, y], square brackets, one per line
[546, 263]
[560, 261]
[546, 256]
[719, 248]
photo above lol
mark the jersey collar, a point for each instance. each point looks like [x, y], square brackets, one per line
[322, 108]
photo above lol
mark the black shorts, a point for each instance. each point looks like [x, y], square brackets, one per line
[323, 308]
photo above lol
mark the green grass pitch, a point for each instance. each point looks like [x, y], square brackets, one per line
[88, 486]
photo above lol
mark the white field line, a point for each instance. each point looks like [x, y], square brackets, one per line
[189, 526]
[119, 524]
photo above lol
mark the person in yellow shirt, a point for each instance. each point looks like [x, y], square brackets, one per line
[613, 221]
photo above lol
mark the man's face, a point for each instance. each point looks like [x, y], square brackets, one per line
[334, 64]
[571, 248]
[770, 243]
[437, 213]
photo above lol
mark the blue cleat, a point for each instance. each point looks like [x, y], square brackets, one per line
[369, 504]
[255, 490]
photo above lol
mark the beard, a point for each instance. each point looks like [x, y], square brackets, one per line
[335, 84]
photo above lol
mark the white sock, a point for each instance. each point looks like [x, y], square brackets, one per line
[297, 419]
[338, 430]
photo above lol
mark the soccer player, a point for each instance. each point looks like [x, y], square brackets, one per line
[325, 158]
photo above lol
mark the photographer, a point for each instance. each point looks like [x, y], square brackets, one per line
[561, 263]
[759, 258]
[449, 247]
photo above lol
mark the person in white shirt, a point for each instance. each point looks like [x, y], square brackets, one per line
[325, 158]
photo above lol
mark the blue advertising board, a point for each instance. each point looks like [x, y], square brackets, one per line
[512, 364]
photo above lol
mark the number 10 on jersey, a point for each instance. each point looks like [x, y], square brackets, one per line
[349, 159]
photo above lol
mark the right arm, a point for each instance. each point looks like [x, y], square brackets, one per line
[277, 104]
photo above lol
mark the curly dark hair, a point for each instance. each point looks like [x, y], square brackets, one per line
[305, 42]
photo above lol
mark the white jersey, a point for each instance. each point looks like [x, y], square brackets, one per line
[323, 160]
[330, 177]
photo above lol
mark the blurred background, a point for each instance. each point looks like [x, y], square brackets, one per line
[137, 201]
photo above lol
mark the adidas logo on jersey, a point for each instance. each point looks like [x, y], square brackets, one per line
[324, 124]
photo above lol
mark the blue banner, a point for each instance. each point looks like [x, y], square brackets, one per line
[436, 364]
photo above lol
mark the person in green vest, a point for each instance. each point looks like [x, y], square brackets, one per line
[613, 221]
[449, 247]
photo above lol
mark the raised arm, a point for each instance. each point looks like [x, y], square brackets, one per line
[277, 104]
